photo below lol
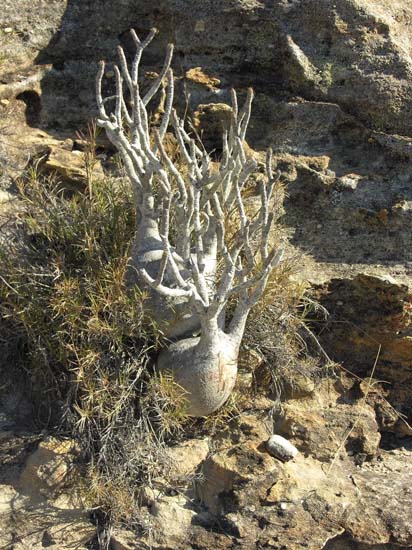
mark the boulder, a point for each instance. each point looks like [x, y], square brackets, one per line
[70, 166]
[48, 468]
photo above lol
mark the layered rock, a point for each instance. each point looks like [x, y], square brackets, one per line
[356, 54]
[248, 499]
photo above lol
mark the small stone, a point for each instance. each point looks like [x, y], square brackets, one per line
[8, 30]
[4, 102]
[349, 182]
[5, 197]
[281, 448]
[301, 385]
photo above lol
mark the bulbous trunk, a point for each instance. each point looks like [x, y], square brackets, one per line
[174, 317]
[205, 367]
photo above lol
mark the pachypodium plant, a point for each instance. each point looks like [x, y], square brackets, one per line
[194, 272]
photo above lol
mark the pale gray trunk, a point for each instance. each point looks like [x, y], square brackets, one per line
[205, 367]
[173, 316]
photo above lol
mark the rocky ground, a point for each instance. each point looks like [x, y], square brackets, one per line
[333, 98]
[343, 489]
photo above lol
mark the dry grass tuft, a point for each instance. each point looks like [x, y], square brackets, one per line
[86, 342]
[277, 332]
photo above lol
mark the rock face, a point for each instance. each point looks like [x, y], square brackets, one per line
[332, 98]
[332, 91]
[249, 499]
[371, 321]
[353, 53]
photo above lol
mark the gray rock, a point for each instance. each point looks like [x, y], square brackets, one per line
[281, 448]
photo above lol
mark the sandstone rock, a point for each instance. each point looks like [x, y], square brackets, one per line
[186, 458]
[172, 521]
[198, 76]
[30, 515]
[251, 427]
[349, 181]
[210, 121]
[372, 322]
[306, 504]
[27, 82]
[123, 540]
[335, 53]
[69, 166]
[149, 495]
[31, 28]
[352, 87]
[299, 385]
[47, 469]
[324, 425]
[281, 448]
[399, 146]
[10, 499]
[231, 469]
[245, 497]
[384, 481]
